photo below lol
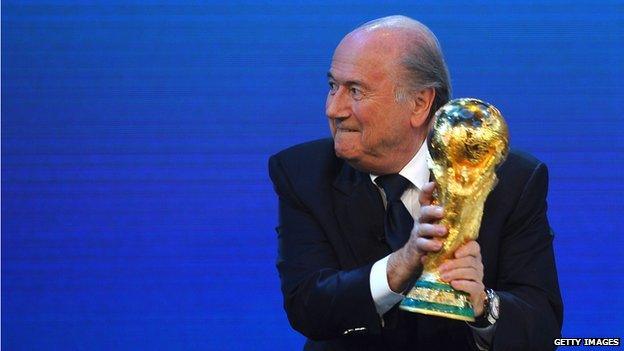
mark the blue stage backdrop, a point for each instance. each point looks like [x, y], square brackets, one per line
[137, 213]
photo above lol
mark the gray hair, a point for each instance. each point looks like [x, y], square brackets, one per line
[422, 59]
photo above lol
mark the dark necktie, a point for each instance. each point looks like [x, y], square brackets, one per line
[398, 223]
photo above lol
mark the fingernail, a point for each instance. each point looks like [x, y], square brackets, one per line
[444, 277]
[439, 210]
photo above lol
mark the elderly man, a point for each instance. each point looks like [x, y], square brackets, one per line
[343, 269]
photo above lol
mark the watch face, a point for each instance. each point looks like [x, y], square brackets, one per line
[494, 302]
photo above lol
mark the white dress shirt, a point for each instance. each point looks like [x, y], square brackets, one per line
[417, 172]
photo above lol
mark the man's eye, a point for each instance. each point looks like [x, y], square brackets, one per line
[355, 92]
[333, 87]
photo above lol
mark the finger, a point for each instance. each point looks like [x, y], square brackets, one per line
[475, 290]
[429, 230]
[468, 286]
[469, 273]
[470, 248]
[464, 262]
[426, 194]
[425, 245]
[430, 214]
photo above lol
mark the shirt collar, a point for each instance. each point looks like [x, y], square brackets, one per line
[416, 170]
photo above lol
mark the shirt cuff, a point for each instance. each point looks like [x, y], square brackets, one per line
[383, 296]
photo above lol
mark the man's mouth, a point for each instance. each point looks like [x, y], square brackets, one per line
[347, 130]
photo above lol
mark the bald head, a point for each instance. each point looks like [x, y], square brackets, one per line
[396, 21]
[412, 46]
[398, 27]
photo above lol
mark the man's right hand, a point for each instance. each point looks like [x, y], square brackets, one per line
[405, 264]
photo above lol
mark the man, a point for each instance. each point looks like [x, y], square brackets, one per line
[343, 268]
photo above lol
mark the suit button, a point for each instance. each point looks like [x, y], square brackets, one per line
[381, 238]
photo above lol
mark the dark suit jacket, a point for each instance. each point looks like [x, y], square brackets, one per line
[330, 233]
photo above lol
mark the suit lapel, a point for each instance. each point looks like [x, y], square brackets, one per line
[360, 215]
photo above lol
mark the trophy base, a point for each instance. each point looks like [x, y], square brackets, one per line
[438, 299]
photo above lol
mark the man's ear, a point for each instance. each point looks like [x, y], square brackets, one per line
[422, 102]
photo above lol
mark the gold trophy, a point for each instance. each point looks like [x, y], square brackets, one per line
[467, 141]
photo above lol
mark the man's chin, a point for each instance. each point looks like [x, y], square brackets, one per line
[352, 157]
[356, 159]
[344, 155]
[343, 151]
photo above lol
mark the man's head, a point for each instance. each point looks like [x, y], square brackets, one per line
[387, 78]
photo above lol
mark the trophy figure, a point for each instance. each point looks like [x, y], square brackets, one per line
[467, 141]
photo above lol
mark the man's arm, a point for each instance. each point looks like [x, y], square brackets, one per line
[321, 300]
[531, 310]
[526, 282]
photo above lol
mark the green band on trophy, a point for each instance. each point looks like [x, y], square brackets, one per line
[431, 308]
[438, 299]
[435, 286]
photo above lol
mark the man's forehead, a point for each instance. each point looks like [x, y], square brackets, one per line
[366, 43]
[366, 53]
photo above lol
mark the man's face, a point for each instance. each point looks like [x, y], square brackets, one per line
[371, 129]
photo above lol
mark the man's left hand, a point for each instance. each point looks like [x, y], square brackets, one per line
[465, 273]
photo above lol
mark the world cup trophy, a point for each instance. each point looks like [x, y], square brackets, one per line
[468, 139]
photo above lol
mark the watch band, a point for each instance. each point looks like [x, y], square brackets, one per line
[490, 310]
[493, 306]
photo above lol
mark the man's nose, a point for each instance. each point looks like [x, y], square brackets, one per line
[337, 105]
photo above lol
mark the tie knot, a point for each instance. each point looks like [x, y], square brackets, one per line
[393, 185]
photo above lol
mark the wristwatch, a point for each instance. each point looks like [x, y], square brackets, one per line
[491, 308]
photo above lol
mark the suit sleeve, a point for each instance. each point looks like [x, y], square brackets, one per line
[531, 310]
[321, 300]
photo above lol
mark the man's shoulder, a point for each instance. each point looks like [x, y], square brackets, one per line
[308, 164]
[319, 150]
[519, 163]
[517, 170]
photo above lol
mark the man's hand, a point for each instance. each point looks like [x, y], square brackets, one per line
[465, 273]
[405, 264]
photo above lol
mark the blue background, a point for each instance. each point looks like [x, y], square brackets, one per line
[137, 212]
